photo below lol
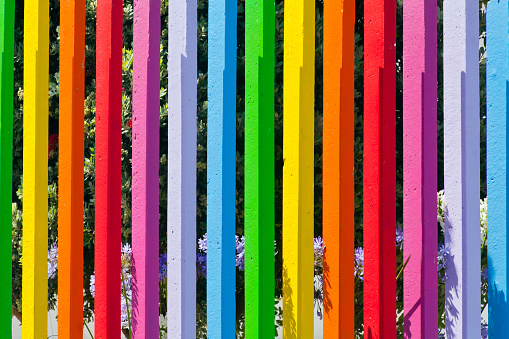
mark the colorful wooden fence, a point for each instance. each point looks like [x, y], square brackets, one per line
[461, 157]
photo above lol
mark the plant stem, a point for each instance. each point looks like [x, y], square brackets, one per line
[88, 329]
[402, 268]
[127, 308]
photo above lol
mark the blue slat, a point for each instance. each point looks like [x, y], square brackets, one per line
[221, 168]
[497, 83]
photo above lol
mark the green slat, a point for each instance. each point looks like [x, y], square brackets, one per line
[259, 169]
[6, 113]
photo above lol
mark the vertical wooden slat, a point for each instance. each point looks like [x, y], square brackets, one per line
[221, 168]
[6, 113]
[497, 81]
[145, 186]
[108, 145]
[379, 169]
[461, 167]
[259, 170]
[298, 168]
[420, 168]
[182, 69]
[70, 169]
[338, 164]
[35, 169]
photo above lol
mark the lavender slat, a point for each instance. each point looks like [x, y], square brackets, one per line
[182, 69]
[461, 167]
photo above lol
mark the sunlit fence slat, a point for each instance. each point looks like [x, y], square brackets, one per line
[35, 173]
[6, 113]
[221, 168]
[497, 85]
[379, 197]
[338, 169]
[420, 168]
[259, 170]
[181, 235]
[461, 167]
[145, 164]
[71, 176]
[108, 173]
[298, 168]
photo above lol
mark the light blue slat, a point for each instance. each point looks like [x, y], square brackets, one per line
[221, 171]
[497, 84]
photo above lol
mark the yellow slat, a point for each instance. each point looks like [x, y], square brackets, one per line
[35, 173]
[298, 141]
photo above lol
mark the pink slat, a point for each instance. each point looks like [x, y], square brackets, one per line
[420, 168]
[145, 186]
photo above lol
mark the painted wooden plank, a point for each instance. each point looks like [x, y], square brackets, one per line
[35, 165]
[70, 169]
[380, 169]
[497, 80]
[6, 113]
[461, 167]
[298, 168]
[145, 186]
[221, 169]
[338, 173]
[182, 73]
[259, 220]
[108, 145]
[420, 168]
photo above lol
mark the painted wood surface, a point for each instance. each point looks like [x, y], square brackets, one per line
[497, 81]
[338, 169]
[108, 144]
[181, 242]
[461, 167]
[70, 169]
[379, 169]
[35, 169]
[259, 205]
[6, 114]
[420, 168]
[221, 168]
[145, 170]
[298, 168]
